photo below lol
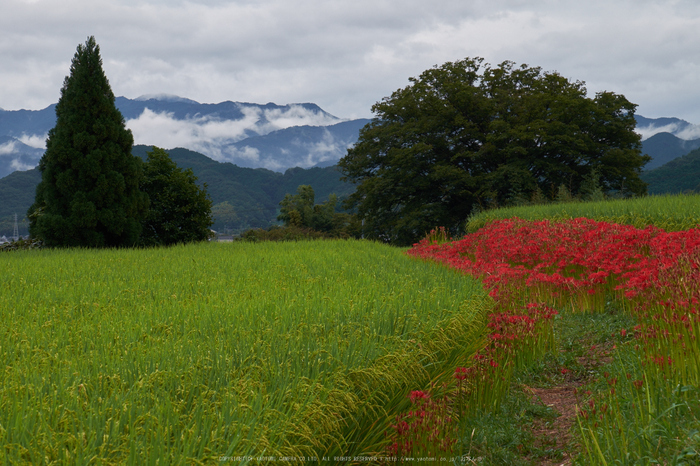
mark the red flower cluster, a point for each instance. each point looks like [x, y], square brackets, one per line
[575, 256]
[427, 428]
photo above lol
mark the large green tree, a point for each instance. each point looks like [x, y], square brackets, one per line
[179, 211]
[89, 192]
[467, 135]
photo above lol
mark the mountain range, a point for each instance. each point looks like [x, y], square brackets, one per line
[276, 137]
[666, 139]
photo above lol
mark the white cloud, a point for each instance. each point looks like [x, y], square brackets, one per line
[648, 131]
[163, 130]
[208, 135]
[38, 141]
[272, 164]
[296, 115]
[690, 132]
[7, 148]
[686, 132]
[16, 165]
[233, 154]
[325, 149]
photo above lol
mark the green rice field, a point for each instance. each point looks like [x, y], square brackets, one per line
[670, 212]
[188, 354]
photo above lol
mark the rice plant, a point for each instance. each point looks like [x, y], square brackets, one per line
[669, 212]
[198, 352]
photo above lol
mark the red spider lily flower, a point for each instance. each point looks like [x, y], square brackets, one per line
[418, 395]
[461, 373]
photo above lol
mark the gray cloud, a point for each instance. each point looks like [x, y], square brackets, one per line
[345, 56]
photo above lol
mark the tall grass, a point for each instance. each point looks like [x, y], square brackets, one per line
[669, 212]
[209, 350]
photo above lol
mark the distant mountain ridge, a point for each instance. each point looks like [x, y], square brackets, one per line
[16, 123]
[276, 137]
[648, 127]
[665, 147]
[263, 143]
[219, 131]
[666, 139]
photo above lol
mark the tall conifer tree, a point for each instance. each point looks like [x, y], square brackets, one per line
[89, 193]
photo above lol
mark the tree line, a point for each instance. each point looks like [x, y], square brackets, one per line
[462, 137]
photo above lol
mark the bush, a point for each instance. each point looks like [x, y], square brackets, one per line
[21, 244]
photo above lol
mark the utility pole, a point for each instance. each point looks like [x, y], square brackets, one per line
[15, 233]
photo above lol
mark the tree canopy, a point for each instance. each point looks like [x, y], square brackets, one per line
[466, 135]
[89, 192]
[179, 211]
[299, 211]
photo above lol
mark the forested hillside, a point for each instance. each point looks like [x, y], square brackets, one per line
[254, 194]
[680, 175]
[665, 147]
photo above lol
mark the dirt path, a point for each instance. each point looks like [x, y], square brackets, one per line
[556, 435]
[563, 399]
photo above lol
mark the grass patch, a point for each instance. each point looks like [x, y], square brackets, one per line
[504, 436]
[524, 430]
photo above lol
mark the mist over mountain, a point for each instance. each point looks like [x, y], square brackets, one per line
[298, 146]
[649, 127]
[300, 135]
[15, 155]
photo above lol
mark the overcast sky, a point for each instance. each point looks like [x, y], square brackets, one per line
[347, 55]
